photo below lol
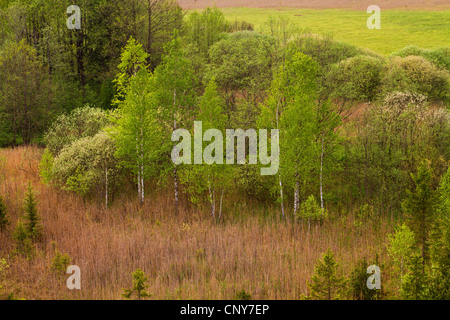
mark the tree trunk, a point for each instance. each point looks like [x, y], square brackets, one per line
[296, 194]
[281, 197]
[220, 207]
[211, 201]
[175, 183]
[106, 188]
[321, 175]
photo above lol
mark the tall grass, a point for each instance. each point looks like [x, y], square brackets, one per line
[186, 257]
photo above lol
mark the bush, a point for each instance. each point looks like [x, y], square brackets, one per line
[242, 295]
[140, 285]
[242, 60]
[356, 79]
[4, 220]
[45, 166]
[439, 56]
[83, 166]
[311, 211]
[80, 123]
[60, 262]
[324, 50]
[415, 74]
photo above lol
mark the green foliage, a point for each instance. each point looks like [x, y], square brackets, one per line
[87, 165]
[242, 295]
[80, 123]
[416, 74]
[212, 177]
[439, 56]
[358, 282]
[23, 242]
[60, 262]
[356, 79]
[25, 104]
[45, 167]
[415, 282]
[4, 220]
[324, 283]
[324, 50]
[205, 28]
[440, 244]
[132, 60]
[33, 223]
[419, 206]
[401, 248]
[3, 267]
[310, 210]
[241, 61]
[140, 285]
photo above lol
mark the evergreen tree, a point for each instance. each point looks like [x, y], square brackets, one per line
[358, 282]
[415, 282]
[32, 225]
[325, 284]
[4, 220]
[140, 286]
[23, 243]
[440, 244]
[419, 205]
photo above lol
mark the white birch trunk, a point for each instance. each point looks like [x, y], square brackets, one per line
[220, 207]
[175, 186]
[279, 176]
[321, 174]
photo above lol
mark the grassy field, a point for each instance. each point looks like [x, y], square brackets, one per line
[423, 28]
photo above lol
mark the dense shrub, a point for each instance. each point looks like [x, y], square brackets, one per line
[86, 165]
[242, 60]
[416, 74]
[324, 50]
[80, 123]
[439, 56]
[356, 78]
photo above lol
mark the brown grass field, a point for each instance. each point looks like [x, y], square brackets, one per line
[317, 4]
[185, 257]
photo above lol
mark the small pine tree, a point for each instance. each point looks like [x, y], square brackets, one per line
[4, 220]
[140, 286]
[419, 206]
[60, 262]
[358, 282]
[243, 295]
[325, 284]
[33, 226]
[23, 243]
[415, 282]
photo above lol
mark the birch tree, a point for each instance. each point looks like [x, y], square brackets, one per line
[136, 130]
[211, 177]
[174, 82]
[290, 108]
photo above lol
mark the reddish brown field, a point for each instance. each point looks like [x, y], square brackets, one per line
[187, 257]
[317, 4]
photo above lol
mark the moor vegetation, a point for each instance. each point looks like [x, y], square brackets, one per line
[87, 179]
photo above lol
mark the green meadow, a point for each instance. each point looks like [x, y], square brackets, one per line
[426, 29]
